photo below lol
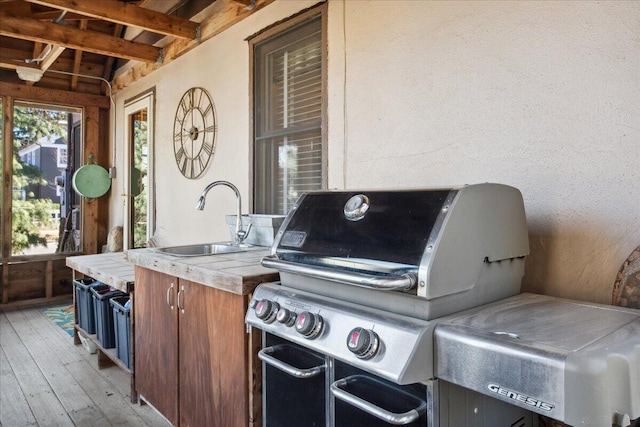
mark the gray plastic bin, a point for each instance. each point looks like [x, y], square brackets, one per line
[84, 303]
[104, 314]
[121, 322]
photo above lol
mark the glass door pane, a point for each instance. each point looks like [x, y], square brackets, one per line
[42, 206]
[139, 211]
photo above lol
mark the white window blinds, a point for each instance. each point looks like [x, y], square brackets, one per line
[288, 101]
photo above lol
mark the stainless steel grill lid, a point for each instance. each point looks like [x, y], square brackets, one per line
[394, 227]
[462, 246]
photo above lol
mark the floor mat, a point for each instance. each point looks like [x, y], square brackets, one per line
[61, 316]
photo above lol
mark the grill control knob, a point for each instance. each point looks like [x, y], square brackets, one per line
[309, 324]
[286, 317]
[364, 343]
[266, 310]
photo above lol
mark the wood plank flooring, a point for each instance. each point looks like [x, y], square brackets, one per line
[45, 380]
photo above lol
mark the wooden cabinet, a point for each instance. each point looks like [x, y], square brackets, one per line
[192, 351]
[156, 341]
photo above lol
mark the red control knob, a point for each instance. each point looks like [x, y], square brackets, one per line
[309, 324]
[364, 343]
[266, 310]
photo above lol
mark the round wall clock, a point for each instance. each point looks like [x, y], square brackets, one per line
[194, 132]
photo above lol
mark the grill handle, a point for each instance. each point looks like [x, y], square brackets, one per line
[402, 282]
[371, 409]
[266, 357]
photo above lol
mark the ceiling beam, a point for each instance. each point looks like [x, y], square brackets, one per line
[224, 14]
[77, 58]
[128, 14]
[109, 60]
[74, 38]
[53, 96]
[11, 58]
[53, 14]
[247, 3]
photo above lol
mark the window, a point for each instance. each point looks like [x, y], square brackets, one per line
[289, 104]
[62, 157]
[139, 217]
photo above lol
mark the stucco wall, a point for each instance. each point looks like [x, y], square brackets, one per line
[544, 96]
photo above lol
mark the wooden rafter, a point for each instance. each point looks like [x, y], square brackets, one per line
[225, 14]
[47, 56]
[37, 49]
[51, 57]
[11, 58]
[77, 58]
[45, 32]
[128, 14]
[247, 3]
[108, 63]
[52, 96]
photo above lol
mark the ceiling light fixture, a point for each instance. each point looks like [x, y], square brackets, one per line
[29, 74]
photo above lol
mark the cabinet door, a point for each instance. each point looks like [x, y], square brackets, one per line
[213, 358]
[156, 341]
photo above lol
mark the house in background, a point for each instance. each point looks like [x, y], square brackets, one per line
[49, 155]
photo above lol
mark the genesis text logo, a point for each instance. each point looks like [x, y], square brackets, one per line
[519, 397]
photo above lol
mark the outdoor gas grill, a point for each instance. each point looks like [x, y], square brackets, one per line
[350, 333]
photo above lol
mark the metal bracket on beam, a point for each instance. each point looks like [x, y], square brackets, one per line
[160, 59]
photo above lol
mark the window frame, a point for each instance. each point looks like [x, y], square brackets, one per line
[145, 100]
[317, 11]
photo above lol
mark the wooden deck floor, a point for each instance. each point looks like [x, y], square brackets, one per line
[45, 380]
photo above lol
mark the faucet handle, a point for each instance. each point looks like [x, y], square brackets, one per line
[241, 235]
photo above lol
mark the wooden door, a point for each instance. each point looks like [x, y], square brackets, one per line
[156, 341]
[213, 358]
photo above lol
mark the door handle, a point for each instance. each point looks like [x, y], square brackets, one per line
[170, 296]
[181, 299]
[266, 356]
[338, 390]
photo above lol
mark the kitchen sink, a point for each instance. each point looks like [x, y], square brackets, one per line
[203, 249]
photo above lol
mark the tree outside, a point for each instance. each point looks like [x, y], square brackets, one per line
[31, 214]
[139, 178]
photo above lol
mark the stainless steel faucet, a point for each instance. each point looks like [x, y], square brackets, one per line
[241, 234]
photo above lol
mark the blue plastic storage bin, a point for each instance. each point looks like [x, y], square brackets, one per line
[122, 325]
[84, 303]
[104, 314]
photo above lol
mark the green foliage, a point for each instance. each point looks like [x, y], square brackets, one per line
[29, 216]
[31, 124]
[25, 175]
[26, 218]
[139, 180]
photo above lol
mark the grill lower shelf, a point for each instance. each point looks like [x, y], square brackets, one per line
[572, 361]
